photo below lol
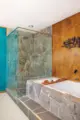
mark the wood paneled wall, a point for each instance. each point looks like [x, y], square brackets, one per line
[66, 61]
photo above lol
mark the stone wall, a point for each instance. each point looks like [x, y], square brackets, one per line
[63, 103]
[35, 56]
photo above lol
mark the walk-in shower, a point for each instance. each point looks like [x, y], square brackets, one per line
[29, 56]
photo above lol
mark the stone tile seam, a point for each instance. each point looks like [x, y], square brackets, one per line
[25, 100]
[37, 108]
[30, 109]
[23, 96]
[41, 112]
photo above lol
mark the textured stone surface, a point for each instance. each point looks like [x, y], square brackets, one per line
[32, 105]
[32, 116]
[33, 90]
[33, 57]
[33, 50]
[23, 108]
[48, 116]
[39, 113]
[55, 107]
[39, 110]
[44, 100]
[61, 104]
[24, 98]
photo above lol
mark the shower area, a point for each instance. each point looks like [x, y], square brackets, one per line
[29, 56]
[29, 78]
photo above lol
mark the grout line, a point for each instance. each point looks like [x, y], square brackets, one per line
[30, 110]
[27, 100]
[41, 112]
[37, 108]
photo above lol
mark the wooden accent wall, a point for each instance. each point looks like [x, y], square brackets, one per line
[66, 61]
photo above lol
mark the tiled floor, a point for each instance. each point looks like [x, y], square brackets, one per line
[9, 110]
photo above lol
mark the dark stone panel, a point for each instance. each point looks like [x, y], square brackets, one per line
[33, 116]
[32, 105]
[23, 99]
[23, 108]
[39, 110]
[48, 116]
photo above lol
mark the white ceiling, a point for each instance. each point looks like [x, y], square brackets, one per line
[40, 13]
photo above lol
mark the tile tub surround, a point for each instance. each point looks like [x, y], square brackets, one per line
[57, 98]
[32, 109]
[33, 88]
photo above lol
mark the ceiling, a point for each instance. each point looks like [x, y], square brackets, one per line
[40, 13]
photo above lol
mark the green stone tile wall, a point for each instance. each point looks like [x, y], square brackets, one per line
[35, 57]
[29, 56]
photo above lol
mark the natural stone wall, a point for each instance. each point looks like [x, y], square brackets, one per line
[35, 56]
[33, 53]
[63, 105]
